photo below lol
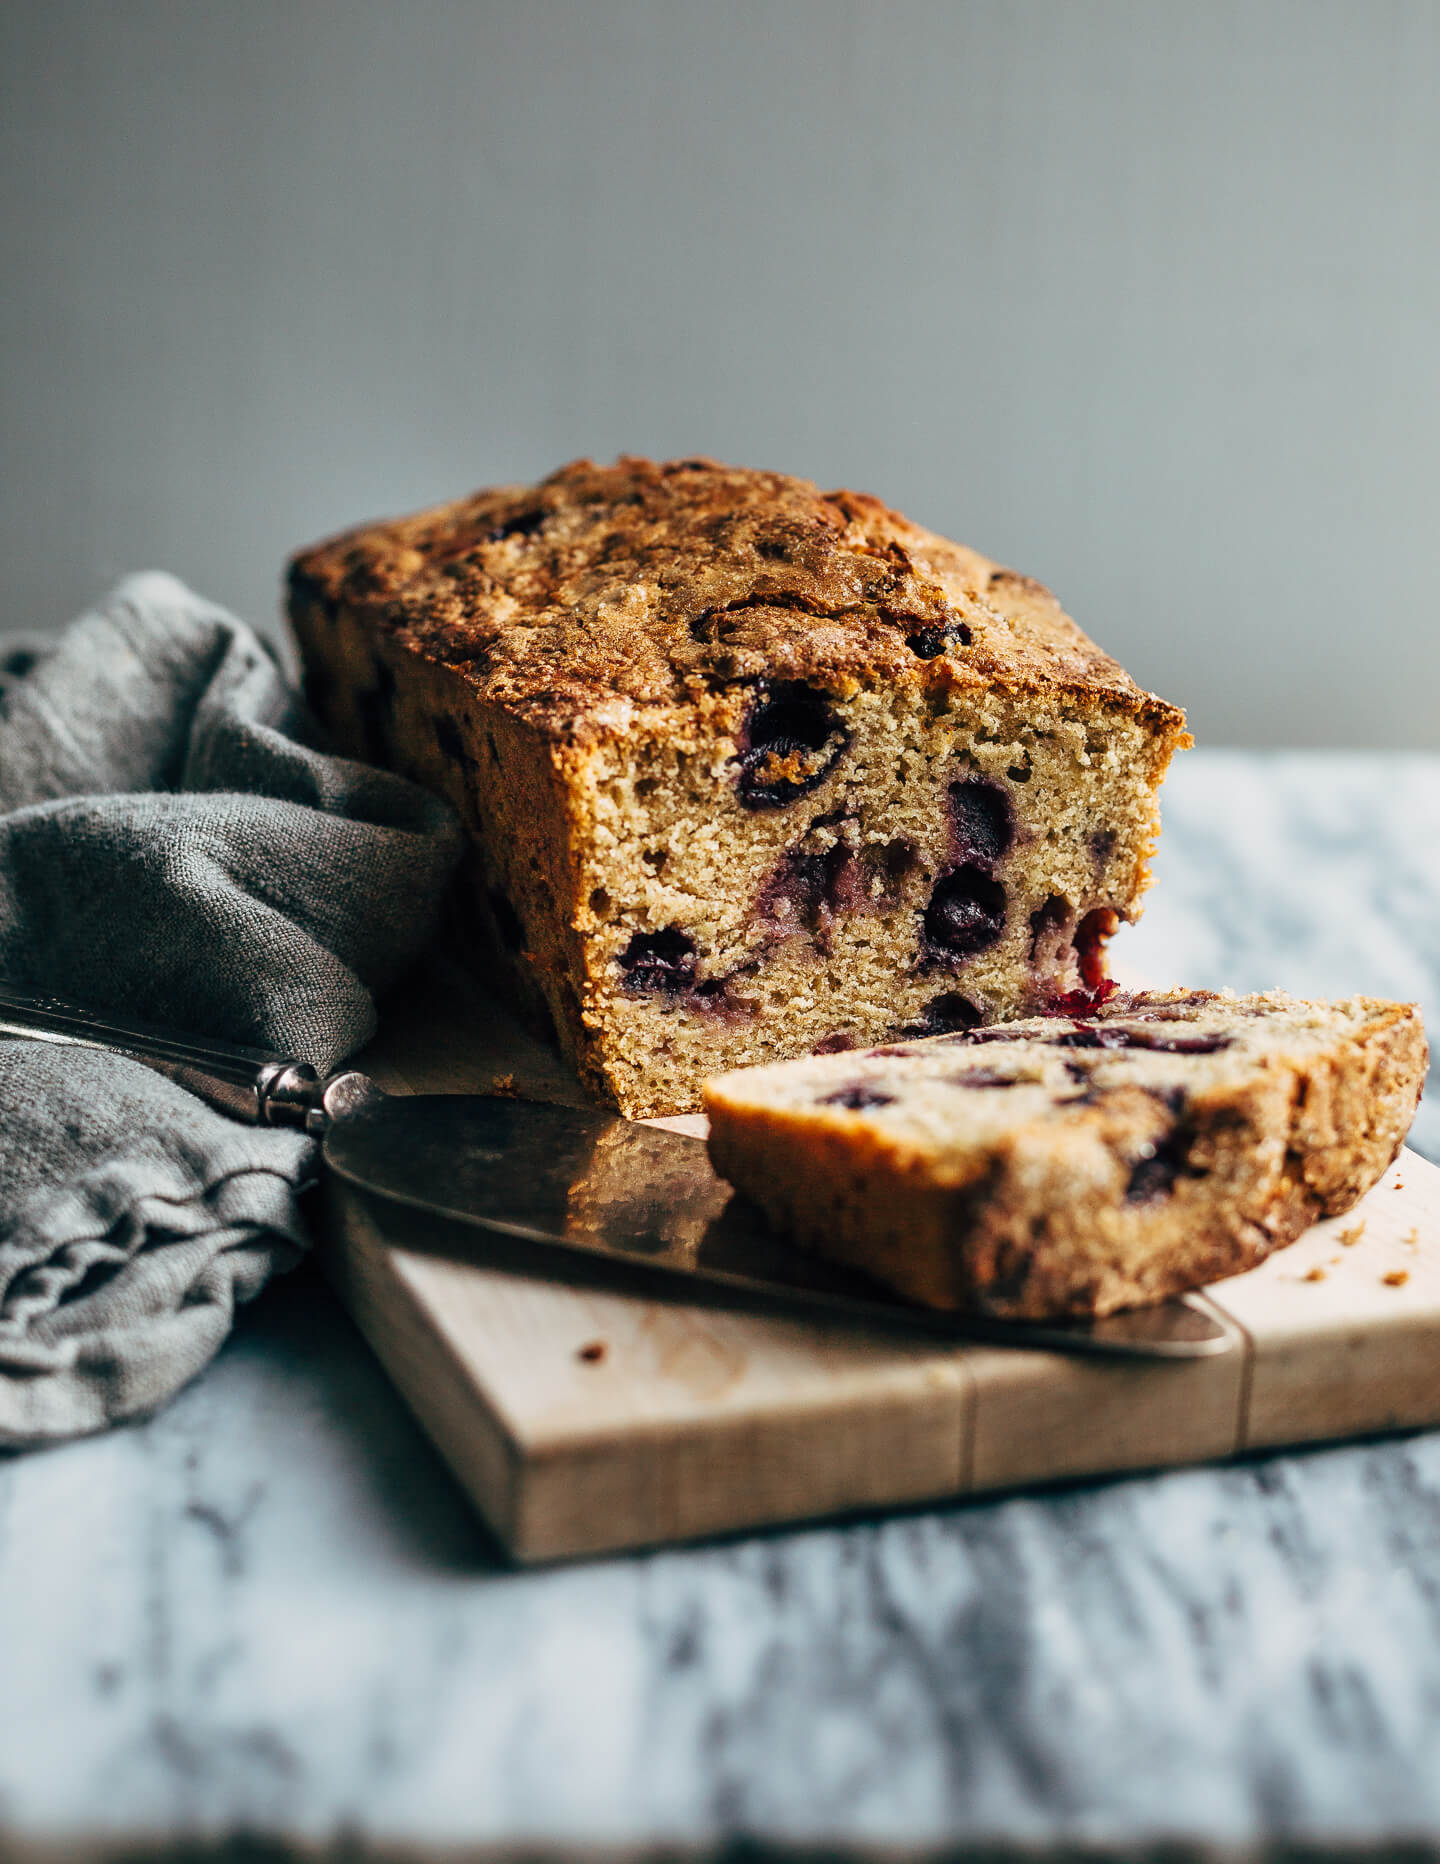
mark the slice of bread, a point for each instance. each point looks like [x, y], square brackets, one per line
[1076, 1165]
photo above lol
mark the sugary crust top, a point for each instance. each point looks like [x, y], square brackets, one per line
[609, 588]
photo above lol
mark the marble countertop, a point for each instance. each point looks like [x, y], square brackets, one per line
[269, 1610]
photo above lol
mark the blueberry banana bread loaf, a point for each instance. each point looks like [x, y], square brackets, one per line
[749, 770]
[1069, 1165]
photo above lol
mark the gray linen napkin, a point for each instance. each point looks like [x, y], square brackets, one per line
[176, 847]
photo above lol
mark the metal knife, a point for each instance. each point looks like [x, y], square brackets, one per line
[574, 1188]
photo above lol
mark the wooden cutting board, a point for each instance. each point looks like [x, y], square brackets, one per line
[582, 1420]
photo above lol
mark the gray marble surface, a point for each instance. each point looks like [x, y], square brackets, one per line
[269, 1610]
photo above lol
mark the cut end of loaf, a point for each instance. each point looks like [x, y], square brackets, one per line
[953, 864]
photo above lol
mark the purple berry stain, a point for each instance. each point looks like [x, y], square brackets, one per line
[967, 908]
[659, 963]
[1164, 1042]
[982, 822]
[1047, 924]
[857, 1097]
[810, 889]
[966, 914]
[944, 1014]
[665, 964]
[796, 897]
[937, 638]
[1090, 939]
[1154, 1177]
[787, 746]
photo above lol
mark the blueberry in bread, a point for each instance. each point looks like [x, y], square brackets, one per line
[1076, 1165]
[749, 770]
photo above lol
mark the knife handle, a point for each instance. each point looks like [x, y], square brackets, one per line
[250, 1084]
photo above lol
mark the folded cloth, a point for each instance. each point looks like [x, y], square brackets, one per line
[175, 847]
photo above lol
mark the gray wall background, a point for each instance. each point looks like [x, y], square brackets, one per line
[1141, 296]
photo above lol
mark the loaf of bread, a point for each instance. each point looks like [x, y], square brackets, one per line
[1078, 1165]
[749, 770]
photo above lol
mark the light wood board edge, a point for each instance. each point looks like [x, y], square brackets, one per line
[890, 1433]
[399, 1325]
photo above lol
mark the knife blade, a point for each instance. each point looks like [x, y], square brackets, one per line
[573, 1186]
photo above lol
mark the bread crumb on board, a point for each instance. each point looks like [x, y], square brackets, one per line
[1315, 1274]
[1349, 1238]
[1397, 1278]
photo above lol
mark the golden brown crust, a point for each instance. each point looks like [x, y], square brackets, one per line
[610, 588]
